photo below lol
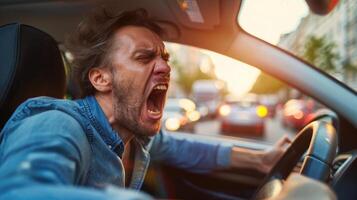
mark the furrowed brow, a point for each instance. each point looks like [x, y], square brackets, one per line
[144, 51]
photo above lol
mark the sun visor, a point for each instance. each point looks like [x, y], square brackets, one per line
[197, 14]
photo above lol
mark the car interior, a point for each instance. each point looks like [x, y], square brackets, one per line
[29, 58]
[32, 33]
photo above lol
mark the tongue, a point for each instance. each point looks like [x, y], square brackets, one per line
[153, 103]
[153, 111]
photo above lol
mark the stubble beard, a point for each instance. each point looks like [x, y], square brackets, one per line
[127, 112]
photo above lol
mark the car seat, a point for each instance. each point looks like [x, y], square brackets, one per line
[30, 65]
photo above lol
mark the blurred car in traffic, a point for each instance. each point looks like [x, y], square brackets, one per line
[206, 94]
[270, 101]
[298, 112]
[179, 113]
[242, 118]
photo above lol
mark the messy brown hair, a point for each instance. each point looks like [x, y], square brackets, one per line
[90, 44]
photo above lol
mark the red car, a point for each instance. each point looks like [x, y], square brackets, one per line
[298, 112]
[243, 118]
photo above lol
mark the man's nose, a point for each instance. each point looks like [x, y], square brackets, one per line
[162, 68]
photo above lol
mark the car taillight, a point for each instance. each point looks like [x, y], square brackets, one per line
[298, 115]
[224, 110]
[193, 116]
[172, 124]
[262, 111]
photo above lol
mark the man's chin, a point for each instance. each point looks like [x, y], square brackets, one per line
[149, 130]
[154, 131]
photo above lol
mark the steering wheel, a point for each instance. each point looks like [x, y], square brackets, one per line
[319, 140]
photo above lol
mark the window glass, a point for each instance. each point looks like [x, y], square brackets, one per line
[215, 95]
[328, 42]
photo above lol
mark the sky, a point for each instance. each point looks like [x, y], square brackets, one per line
[238, 75]
[267, 19]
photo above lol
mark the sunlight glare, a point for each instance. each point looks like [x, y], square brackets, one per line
[239, 76]
[268, 19]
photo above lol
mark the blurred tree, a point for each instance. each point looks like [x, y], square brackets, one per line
[349, 67]
[350, 70]
[321, 53]
[266, 84]
[318, 51]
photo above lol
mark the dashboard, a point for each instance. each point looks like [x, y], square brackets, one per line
[344, 175]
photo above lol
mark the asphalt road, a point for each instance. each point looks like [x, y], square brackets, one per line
[273, 129]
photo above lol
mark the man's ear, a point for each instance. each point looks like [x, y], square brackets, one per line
[101, 79]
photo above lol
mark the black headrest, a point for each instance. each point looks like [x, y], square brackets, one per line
[30, 65]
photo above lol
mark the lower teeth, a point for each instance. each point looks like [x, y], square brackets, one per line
[154, 112]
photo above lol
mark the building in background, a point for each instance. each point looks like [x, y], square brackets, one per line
[337, 27]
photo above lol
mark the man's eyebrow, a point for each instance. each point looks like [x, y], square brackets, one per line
[144, 51]
[151, 52]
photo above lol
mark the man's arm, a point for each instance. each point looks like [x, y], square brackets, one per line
[259, 160]
[44, 157]
[204, 156]
[190, 154]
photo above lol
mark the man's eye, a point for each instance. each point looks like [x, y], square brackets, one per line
[145, 58]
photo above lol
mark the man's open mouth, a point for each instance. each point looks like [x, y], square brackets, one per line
[156, 100]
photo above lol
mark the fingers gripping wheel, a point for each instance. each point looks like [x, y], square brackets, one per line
[319, 140]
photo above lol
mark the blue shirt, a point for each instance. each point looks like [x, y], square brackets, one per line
[53, 148]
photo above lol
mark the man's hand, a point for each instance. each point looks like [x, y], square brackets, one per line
[270, 157]
[262, 161]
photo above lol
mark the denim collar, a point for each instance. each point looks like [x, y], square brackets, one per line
[101, 124]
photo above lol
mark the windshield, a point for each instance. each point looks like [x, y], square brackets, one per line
[328, 42]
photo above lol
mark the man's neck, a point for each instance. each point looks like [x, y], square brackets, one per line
[106, 103]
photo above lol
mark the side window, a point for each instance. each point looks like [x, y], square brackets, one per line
[215, 95]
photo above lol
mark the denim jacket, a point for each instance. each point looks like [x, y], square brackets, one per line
[63, 149]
